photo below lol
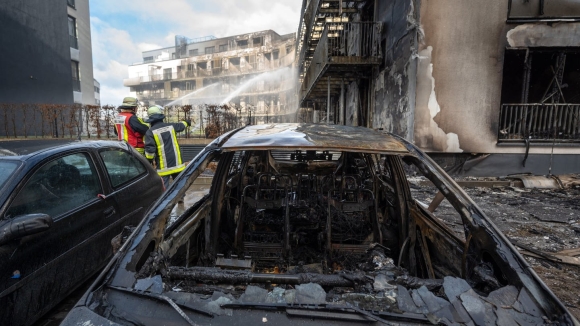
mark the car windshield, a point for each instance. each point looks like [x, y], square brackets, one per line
[7, 169]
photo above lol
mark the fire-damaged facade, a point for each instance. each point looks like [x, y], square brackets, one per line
[251, 71]
[477, 84]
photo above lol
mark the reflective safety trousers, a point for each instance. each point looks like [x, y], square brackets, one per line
[161, 145]
[126, 133]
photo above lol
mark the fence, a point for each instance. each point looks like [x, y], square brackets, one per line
[91, 121]
[539, 122]
[56, 121]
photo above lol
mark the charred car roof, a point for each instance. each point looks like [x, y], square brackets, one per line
[313, 136]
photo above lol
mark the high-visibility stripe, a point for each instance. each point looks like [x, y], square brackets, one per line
[172, 170]
[149, 156]
[176, 149]
[122, 132]
[125, 134]
[160, 151]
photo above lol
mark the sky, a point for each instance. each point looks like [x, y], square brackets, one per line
[122, 29]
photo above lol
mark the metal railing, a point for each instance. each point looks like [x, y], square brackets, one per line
[539, 122]
[76, 85]
[360, 39]
[352, 43]
[233, 70]
[74, 42]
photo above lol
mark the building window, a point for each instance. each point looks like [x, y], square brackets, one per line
[210, 50]
[275, 54]
[242, 44]
[190, 85]
[540, 95]
[148, 59]
[97, 90]
[288, 49]
[540, 9]
[72, 32]
[76, 76]
[193, 52]
[173, 55]
[167, 74]
[223, 47]
[257, 41]
[71, 3]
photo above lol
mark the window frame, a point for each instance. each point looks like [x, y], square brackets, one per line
[127, 182]
[542, 12]
[73, 39]
[76, 72]
[39, 165]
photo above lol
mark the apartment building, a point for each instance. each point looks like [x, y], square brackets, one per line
[81, 52]
[489, 87]
[251, 71]
[47, 56]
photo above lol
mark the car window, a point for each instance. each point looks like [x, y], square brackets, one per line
[58, 187]
[122, 166]
[6, 170]
[431, 197]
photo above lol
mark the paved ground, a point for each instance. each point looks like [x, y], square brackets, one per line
[542, 219]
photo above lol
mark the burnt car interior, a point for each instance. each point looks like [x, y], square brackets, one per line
[340, 227]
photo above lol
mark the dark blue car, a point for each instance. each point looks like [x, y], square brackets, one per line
[61, 204]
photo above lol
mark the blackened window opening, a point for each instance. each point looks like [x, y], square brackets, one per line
[540, 95]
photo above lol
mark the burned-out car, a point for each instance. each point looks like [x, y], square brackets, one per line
[316, 224]
[61, 204]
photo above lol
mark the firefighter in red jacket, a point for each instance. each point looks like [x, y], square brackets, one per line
[130, 128]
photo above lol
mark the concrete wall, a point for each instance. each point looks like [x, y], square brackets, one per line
[391, 86]
[35, 57]
[459, 76]
[82, 14]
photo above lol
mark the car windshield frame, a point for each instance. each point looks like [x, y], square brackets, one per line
[5, 174]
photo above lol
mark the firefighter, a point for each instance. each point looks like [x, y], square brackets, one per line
[130, 128]
[161, 147]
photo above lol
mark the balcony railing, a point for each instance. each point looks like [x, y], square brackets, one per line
[361, 39]
[346, 44]
[233, 70]
[76, 85]
[539, 122]
[74, 42]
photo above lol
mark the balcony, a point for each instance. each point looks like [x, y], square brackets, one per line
[345, 52]
[76, 85]
[234, 70]
[74, 41]
[539, 123]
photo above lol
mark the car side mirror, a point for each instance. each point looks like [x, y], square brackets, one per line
[24, 225]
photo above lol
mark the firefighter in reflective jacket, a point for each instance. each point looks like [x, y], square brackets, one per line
[161, 144]
[130, 128]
